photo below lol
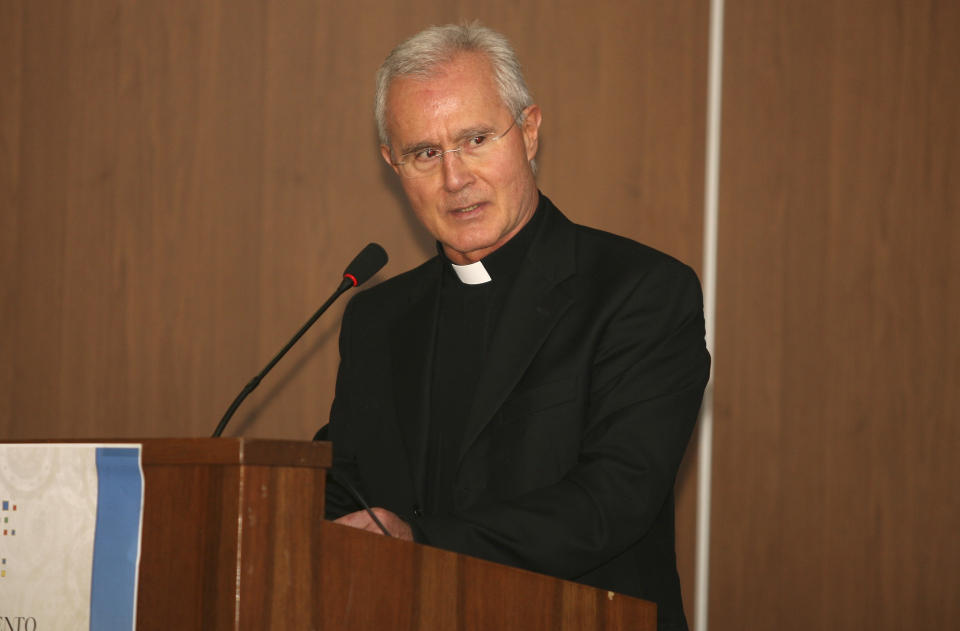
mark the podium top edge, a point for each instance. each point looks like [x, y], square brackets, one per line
[219, 451]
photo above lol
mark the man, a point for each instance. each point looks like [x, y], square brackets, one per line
[527, 395]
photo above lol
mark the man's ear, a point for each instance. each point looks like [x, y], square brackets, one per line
[385, 154]
[531, 130]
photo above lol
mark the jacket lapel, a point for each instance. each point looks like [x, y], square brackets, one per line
[412, 350]
[535, 303]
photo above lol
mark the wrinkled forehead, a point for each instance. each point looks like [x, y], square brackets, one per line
[464, 84]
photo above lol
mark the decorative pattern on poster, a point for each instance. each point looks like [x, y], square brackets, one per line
[48, 517]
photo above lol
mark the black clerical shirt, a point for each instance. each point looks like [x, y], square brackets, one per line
[466, 323]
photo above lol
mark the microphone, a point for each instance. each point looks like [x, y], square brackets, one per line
[370, 260]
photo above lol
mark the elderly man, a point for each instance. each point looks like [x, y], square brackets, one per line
[525, 396]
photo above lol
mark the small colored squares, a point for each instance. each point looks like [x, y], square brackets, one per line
[3, 573]
[6, 505]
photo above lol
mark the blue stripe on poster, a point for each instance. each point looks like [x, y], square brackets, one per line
[117, 539]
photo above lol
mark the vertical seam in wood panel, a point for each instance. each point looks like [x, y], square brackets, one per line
[710, 220]
[241, 508]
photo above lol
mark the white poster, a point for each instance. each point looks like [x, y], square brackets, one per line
[69, 536]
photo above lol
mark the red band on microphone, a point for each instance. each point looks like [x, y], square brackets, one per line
[352, 278]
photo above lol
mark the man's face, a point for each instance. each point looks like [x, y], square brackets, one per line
[472, 208]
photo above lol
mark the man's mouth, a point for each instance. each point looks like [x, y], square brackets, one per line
[466, 209]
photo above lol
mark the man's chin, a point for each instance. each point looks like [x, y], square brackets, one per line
[466, 252]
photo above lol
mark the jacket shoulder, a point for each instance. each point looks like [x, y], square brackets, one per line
[610, 257]
[396, 290]
[603, 256]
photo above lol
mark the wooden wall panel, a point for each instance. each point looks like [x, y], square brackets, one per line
[183, 182]
[835, 477]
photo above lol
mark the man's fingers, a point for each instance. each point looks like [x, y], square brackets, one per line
[359, 519]
[362, 520]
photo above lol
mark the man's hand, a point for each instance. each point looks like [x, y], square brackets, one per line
[361, 519]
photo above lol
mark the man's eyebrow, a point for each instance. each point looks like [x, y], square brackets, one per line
[420, 146]
[464, 134]
[477, 130]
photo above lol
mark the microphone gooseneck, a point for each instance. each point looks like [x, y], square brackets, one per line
[370, 260]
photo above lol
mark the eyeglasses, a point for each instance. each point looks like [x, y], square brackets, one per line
[426, 160]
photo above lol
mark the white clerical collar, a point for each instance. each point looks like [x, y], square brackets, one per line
[472, 274]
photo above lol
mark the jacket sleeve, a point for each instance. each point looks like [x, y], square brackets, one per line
[343, 479]
[648, 370]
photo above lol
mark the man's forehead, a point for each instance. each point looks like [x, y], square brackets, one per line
[456, 97]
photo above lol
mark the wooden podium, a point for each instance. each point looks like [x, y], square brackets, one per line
[234, 538]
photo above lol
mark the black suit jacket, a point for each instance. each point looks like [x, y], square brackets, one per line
[582, 413]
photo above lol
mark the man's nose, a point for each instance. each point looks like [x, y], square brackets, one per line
[456, 171]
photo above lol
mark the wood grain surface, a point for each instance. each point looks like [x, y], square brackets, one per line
[239, 542]
[835, 466]
[428, 588]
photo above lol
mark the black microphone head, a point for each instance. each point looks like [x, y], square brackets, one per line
[366, 264]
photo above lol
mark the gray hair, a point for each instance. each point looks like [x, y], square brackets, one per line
[421, 54]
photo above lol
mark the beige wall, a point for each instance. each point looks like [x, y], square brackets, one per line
[838, 364]
[181, 184]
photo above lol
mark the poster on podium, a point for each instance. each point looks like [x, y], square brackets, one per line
[70, 526]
